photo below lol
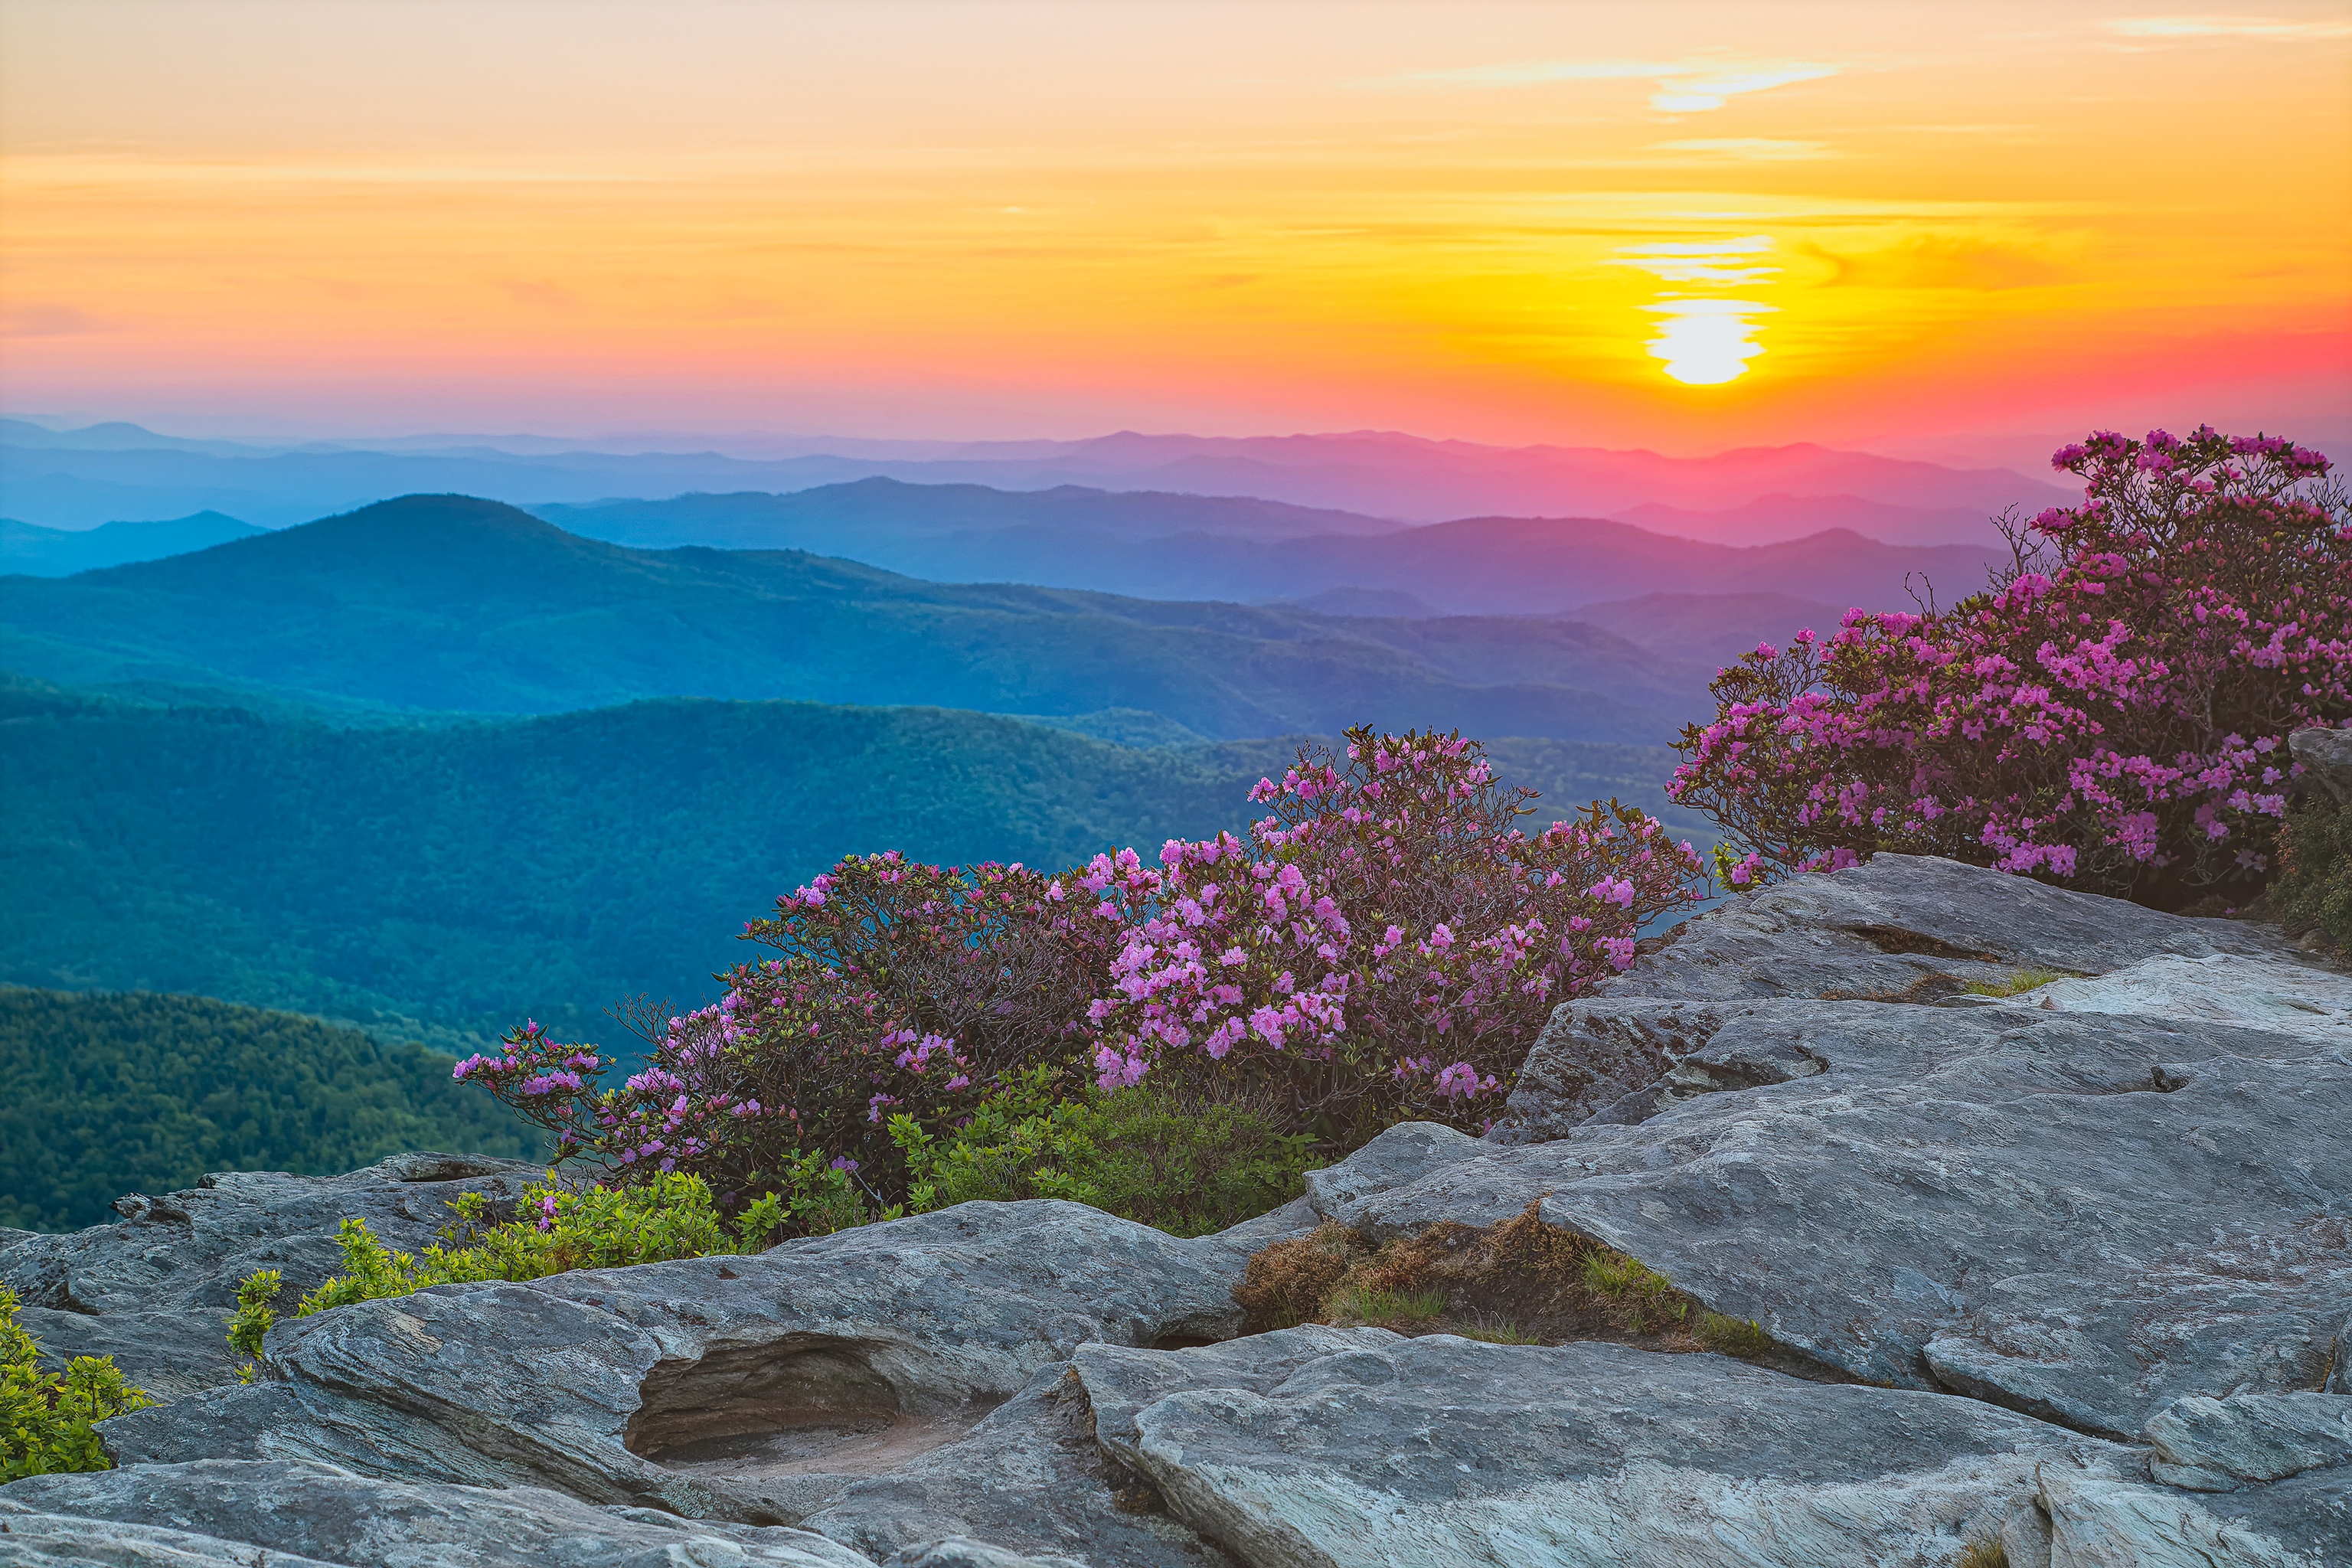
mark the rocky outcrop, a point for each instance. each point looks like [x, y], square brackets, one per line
[295, 1514]
[2048, 1199]
[1899, 929]
[714, 1387]
[155, 1289]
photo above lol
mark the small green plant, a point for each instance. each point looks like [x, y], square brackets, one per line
[46, 1418]
[1152, 1154]
[1637, 1292]
[2012, 984]
[1733, 1336]
[1497, 1331]
[1369, 1304]
[256, 1315]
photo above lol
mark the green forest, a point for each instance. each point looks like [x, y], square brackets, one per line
[120, 1092]
[440, 882]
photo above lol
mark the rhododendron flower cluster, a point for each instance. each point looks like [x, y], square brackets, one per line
[2110, 713]
[1385, 944]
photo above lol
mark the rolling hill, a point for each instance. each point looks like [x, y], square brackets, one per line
[1136, 545]
[440, 603]
[135, 1092]
[56, 551]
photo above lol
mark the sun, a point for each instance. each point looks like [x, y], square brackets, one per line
[1705, 343]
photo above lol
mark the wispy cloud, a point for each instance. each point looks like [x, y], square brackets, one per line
[1747, 149]
[1733, 261]
[1683, 87]
[2278, 29]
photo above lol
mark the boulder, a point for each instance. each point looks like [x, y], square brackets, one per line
[712, 1386]
[155, 1289]
[1401, 1153]
[2326, 759]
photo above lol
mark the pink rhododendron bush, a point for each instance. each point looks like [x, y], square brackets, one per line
[2110, 713]
[1384, 943]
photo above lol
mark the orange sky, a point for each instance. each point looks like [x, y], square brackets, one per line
[1914, 227]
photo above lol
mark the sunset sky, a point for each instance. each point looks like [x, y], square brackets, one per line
[1943, 229]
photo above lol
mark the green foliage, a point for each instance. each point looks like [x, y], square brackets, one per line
[142, 1092]
[1742, 1337]
[1161, 1158]
[2012, 984]
[439, 879]
[562, 1227]
[46, 1417]
[1638, 1292]
[2314, 890]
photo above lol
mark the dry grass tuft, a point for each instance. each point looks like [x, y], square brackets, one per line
[1984, 1551]
[1521, 1281]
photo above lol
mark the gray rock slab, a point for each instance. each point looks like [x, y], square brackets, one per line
[1441, 1453]
[155, 1289]
[2326, 756]
[2083, 1215]
[619, 1385]
[284, 1514]
[2096, 1521]
[1398, 1155]
[1898, 926]
[1029, 1477]
[2250, 1436]
[1878, 927]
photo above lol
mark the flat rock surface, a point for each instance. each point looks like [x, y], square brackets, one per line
[849, 1353]
[155, 1289]
[1443, 1452]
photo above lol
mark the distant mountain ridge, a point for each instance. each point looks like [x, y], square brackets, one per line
[1485, 565]
[439, 604]
[57, 552]
[78, 478]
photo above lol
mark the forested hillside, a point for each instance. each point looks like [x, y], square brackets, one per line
[442, 881]
[137, 1092]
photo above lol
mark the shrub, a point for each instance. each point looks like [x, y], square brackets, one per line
[904, 990]
[46, 1418]
[2110, 713]
[1155, 1155]
[560, 1228]
[1386, 942]
[2314, 891]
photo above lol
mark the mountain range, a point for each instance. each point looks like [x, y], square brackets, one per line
[78, 478]
[434, 603]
